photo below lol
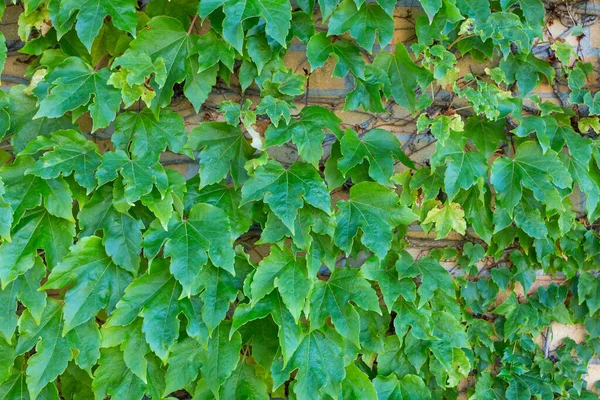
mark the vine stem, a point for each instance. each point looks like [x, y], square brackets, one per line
[100, 62]
[189, 32]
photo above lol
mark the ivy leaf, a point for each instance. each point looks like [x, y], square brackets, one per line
[290, 334]
[448, 217]
[212, 50]
[26, 289]
[320, 363]
[477, 9]
[385, 272]
[37, 230]
[139, 176]
[276, 110]
[132, 343]
[431, 7]
[277, 270]
[589, 291]
[53, 351]
[463, 168]
[191, 242]
[346, 55]
[166, 38]
[122, 236]
[67, 152]
[379, 147]
[540, 172]
[113, 378]
[373, 209]
[75, 84]
[406, 75]
[357, 385]
[276, 13]
[149, 136]
[91, 14]
[226, 198]
[184, 364]
[222, 356]
[331, 299]
[245, 382]
[153, 296]
[433, 277]
[307, 132]
[218, 291]
[25, 192]
[95, 282]
[284, 190]
[24, 127]
[409, 387]
[223, 148]
[362, 21]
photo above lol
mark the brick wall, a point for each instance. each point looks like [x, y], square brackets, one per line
[330, 92]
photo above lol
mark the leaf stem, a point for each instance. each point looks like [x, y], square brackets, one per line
[192, 24]
[100, 62]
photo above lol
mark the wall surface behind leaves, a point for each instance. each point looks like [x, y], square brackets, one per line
[330, 92]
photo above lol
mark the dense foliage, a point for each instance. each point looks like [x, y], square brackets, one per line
[120, 278]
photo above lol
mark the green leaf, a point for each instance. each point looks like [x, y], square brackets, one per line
[409, 387]
[463, 168]
[53, 351]
[222, 356]
[91, 14]
[67, 152]
[132, 343]
[357, 385]
[531, 168]
[320, 364]
[346, 55]
[184, 364]
[379, 147]
[277, 15]
[589, 291]
[154, 296]
[431, 7]
[331, 299]
[218, 291]
[385, 273]
[145, 136]
[290, 334]
[75, 84]
[212, 50]
[433, 277]
[284, 190]
[95, 282]
[166, 38]
[122, 233]
[307, 132]
[139, 176]
[362, 21]
[447, 218]
[24, 127]
[405, 74]
[223, 149]
[113, 378]
[191, 242]
[373, 209]
[26, 289]
[276, 110]
[37, 230]
[277, 271]
[245, 382]
[227, 199]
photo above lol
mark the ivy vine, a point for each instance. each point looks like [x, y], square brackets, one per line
[265, 276]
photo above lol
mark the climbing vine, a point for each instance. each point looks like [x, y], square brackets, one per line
[283, 263]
